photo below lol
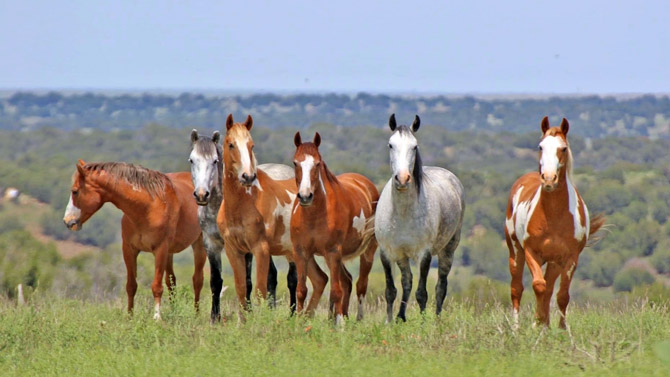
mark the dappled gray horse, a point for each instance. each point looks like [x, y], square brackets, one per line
[206, 170]
[419, 214]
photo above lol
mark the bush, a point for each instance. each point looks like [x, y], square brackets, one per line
[626, 280]
[661, 257]
[25, 260]
[601, 267]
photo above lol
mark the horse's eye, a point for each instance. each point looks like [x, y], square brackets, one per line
[215, 162]
[564, 149]
[231, 146]
[539, 148]
[390, 146]
[190, 160]
[75, 192]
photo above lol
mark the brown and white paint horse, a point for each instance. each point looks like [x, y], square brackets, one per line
[256, 213]
[547, 222]
[334, 218]
[159, 216]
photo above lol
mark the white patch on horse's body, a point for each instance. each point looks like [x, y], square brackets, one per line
[358, 222]
[549, 158]
[323, 187]
[571, 270]
[509, 223]
[283, 210]
[522, 214]
[157, 312]
[71, 210]
[573, 206]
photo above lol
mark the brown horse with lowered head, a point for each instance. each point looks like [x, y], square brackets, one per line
[159, 216]
[334, 218]
[547, 222]
[256, 211]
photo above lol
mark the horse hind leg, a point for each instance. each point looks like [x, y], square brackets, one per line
[170, 278]
[366, 260]
[445, 260]
[517, 260]
[130, 259]
[347, 284]
[406, 281]
[391, 291]
[272, 284]
[292, 283]
[421, 292]
[199, 259]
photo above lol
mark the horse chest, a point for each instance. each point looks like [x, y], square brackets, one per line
[406, 236]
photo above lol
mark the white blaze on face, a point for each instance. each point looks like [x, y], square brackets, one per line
[402, 153]
[71, 211]
[358, 222]
[549, 163]
[245, 158]
[306, 182]
[203, 171]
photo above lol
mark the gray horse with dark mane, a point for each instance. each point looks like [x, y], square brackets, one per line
[419, 214]
[207, 170]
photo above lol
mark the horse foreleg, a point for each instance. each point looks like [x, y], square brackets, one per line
[563, 297]
[292, 283]
[261, 252]
[406, 281]
[161, 257]
[272, 284]
[301, 271]
[421, 292]
[390, 286]
[130, 259]
[237, 262]
[366, 260]
[534, 263]
[215, 280]
[319, 280]
[334, 261]
[199, 258]
[550, 275]
[347, 283]
[170, 278]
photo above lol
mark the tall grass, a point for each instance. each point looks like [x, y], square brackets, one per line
[72, 337]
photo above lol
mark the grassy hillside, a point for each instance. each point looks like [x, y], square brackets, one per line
[45, 338]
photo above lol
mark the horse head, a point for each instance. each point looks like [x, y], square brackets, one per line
[238, 151]
[307, 161]
[554, 154]
[84, 201]
[206, 165]
[404, 153]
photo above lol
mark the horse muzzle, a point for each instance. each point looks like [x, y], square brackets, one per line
[248, 180]
[74, 225]
[201, 197]
[305, 201]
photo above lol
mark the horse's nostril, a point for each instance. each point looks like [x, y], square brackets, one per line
[542, 175]
[195, 195]
[253, 177]
[206, 194]
[245, 176]
[311, 195]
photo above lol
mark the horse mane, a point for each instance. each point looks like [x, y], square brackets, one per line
[417, 172]
[152, 181]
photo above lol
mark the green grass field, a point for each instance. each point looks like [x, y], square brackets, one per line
[49, 336]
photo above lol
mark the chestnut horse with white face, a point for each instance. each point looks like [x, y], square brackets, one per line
[547, 222]
[334, 218]
[159, 216]
[256, 213]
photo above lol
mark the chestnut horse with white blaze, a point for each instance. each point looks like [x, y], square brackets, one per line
[159, 216]
[333, 218]
[547, 222]
[256, 213]
[206, 161]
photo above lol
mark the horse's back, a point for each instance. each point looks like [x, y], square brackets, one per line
[278, 171]
[445, 191]
[361, 183]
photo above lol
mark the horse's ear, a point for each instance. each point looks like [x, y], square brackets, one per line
[194, 136]
[317, 139]
[229, 121]
[416, 124]
[545, 125]
[297, 140]
[392, 123]
[80, 167]
[565, 126]
[249, 123]
[215, 137]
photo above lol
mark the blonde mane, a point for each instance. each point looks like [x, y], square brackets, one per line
[152, 181]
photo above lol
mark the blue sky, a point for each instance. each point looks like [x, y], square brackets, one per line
[416, 46]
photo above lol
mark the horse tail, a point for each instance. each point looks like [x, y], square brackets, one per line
[596, 223]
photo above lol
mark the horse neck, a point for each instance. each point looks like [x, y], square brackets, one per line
[407, 200]
[122, 194]
[557, 199]
[237, 196]
[323, 196]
